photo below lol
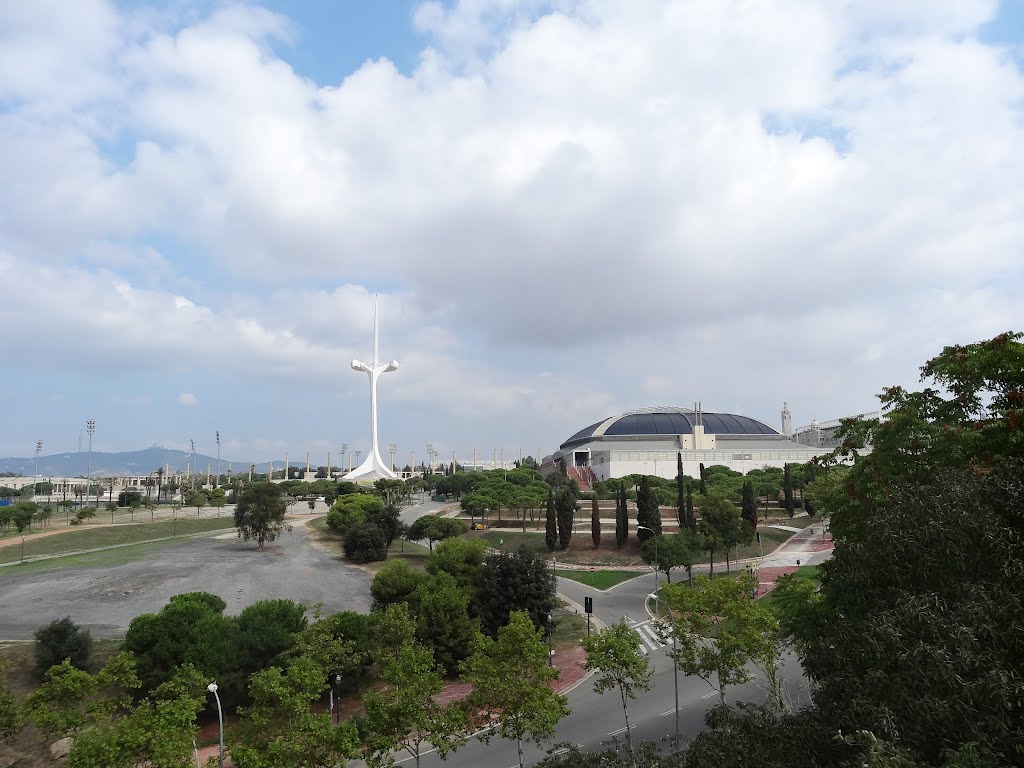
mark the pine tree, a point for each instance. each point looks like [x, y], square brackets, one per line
[787, 490]
[703, 481]
[647, 512]
[551, 530]
[621, 520]
[595, 522]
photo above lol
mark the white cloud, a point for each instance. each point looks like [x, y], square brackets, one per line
[188, 399]
[642, 198]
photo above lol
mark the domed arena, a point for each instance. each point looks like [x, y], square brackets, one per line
[648, 441]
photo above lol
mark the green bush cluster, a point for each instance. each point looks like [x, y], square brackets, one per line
[464, 589]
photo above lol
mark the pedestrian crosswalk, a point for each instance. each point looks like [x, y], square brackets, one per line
[649, 635]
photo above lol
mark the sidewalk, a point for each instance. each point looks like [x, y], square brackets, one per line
[794, 552]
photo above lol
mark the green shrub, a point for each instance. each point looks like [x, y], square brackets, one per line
[62, 639]
[365, 543]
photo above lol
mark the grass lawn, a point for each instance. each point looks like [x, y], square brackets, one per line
[803, 573]
[598, 579]
[570, 628]
[84, 537]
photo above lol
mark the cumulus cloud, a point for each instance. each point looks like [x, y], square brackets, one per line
[188, 399]
[648, 199]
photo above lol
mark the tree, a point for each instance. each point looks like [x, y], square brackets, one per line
[442, 621]
[551, 527]
[928, 529]
[259, 513]
[668, 552]
[159, 730]
[720, 526]
[197, 498]
[527, 709]
[647, 512]
[435, 528]
[126, 497]
[267, 630]
[621, 516]
[339, 644]
[616, 653]
[71, 699]
[787, 490]
[190, 629]
[404, 715]
[749, 506]
[391, 629]
[396, 582]
[389, 521]
[703, 480]
[565, 510]
[365, 543]
[514, 582]
[719, 629]
[61, 639]
[280, 730]
[684, 511]
[462, 559]
[595, 522]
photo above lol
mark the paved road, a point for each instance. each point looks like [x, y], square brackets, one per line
[106, 598]
[597, 720]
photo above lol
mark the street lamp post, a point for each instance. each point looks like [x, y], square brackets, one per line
[90, 427]
[551, 652]
[216, 483]
[337, 700]
[656, 564]
[212, 688]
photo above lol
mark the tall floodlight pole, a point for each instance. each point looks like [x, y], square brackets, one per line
[216, 483]
[90, 427]
[35, 471]
[392, 449]
[373, 468]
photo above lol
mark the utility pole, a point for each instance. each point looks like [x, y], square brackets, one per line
[217, 484]
[35, 471]
[392, 449]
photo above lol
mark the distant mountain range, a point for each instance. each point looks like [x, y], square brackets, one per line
[124, 463]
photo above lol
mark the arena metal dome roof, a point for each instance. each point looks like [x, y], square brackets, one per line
[664, 421]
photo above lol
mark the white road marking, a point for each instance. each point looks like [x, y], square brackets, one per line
[653, 634]
[709, 695]
[616, 733]
[670, 712]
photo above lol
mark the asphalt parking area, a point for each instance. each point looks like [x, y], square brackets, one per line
[105, 599]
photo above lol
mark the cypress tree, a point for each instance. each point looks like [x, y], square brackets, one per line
[621, 520]
[595, 522]
[689, 507]
[749, 504]
[647, 512]
[680, 492]
[565, 511]
[703, 481]
[787, 490]
[551, 530]
[687, 521]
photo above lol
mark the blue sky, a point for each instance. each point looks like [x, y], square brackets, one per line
[567, 209]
